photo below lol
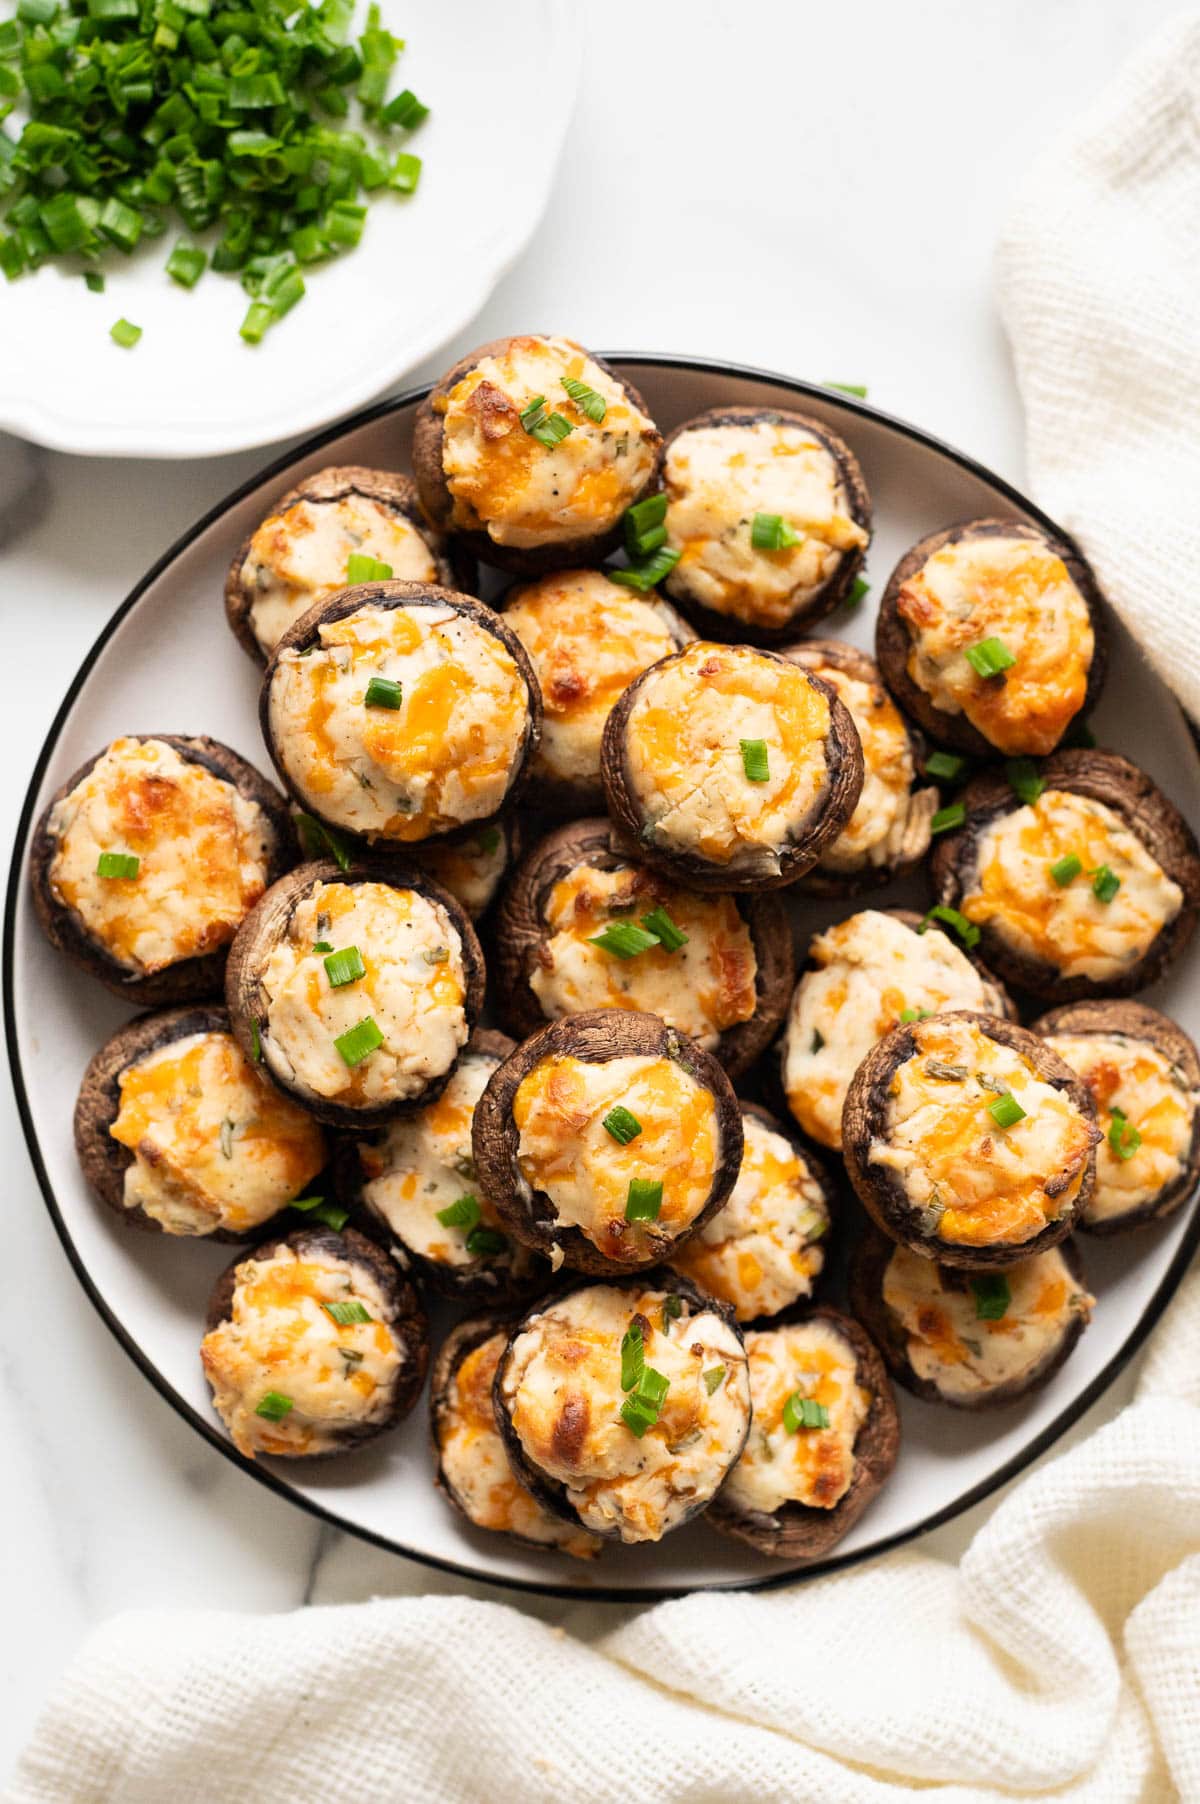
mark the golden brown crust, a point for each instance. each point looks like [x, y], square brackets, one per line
[593, 1037]
[1143, 809]
[892, 641]
[189, 979]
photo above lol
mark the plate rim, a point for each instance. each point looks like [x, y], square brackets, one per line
[608, 1594]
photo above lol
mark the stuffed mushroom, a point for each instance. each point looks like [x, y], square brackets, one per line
[866, 974]
[315, 1344]
[177, 1131]
[1143, 1072]
[582, 926]
[770, 517]
[400, 712]
[624, 1406]
[969, 1140]
[889, 832]
[356, 990]
[304, 551]
[823, 1441]
[731, 768]
[765, 1250]
[1086, 883]
[990, 634]
[606, 1140]
[531, 450]
[415, 1180]
[975, 1340]
[473, 1468]
[147, 860]
[587, 639]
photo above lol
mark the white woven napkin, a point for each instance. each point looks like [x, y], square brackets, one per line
[1063, 1657]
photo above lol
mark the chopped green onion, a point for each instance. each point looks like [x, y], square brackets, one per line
[947, 1073]
[804, 1412]
[860, 588]
[358, 1042]
[659, 923]
[587, 400]
[322, 946]
[644, 526]
[346, 1313]
[363, 569]
[771, 532]
[118, 864]
[549, 429]
[1025, 779]
[909, 1015]
[622, 1125]
[344, 967]
[646, 572]
[464, 1212]
[332, 1215]
[1065, 870]
[405, 173]
[93, 281]
[849, 388]
[947, 819]
[754, 760]
[637, 1416]
[256, 1042]
[966, 930]
[320, 841]
[989, 657]
[945, 767]
[186, 264]
[644, 1199]
[125, 334]
[1105, 883]
[992, 1296]
[633, 1356]
[273, 1406]
[258, 321]
[486, 1243]
[405, 110]
[383, 693]
[1123, 1138]
[672, 1309]
[713, 1378]
[1006, 1111]
[624, 939]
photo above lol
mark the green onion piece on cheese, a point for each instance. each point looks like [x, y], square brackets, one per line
[644, 1199]
[383, 693]
[624, 939]
[486, 1243]
[345, 966]
[1065, 870]
[966, 930]
[672, 1309]
[659, 923]
[363, 569]
[714, 1377]
[771, 532]
[633, 1356]
[643, 574]
[947, 819]
[322, 946]
[118, 864]
[1123, 1137]
[992, 1296]
[638, 1416]
[754, 760]
[1105, 883]
[804, 1412]
[358, 1042]
[1006, 1111]
[590, 403]
[346, 1313]
[945, 767]
[273, 1406]
[622, 1125]
[464, 1212]
[989, 657]
[909, 1015]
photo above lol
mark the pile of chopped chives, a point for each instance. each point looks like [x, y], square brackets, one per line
[221, 114]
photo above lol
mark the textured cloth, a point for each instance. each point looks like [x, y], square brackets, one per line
[1062, 1658]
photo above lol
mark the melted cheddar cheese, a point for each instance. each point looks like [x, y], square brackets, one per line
[965, 1355]
[443, 758]
[300, 556]
[279, 1337]
[214, 1145]
[414, 989]
[1018, 591]
[684, 763]
[1011, 892]
[470, 869]
[967, 1181]
[864, 973]
[889, 822]
[587, 639]
[702, 989]
[566, 1152]
[1156, 1100]
[505, 482]
[763, 1251]
[810, 1466]
[203, 849]
[477, 1468]
[717, 479]
[562, 1390]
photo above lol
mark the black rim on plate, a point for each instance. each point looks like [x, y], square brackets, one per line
[616, 1594]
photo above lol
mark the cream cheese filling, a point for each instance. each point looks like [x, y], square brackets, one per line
[1131, 1078]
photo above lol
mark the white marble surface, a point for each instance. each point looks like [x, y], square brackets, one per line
[817, 191]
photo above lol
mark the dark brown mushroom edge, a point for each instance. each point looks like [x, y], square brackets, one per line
[147, 860]
[414, 1180]
[300, 553]
[531, 473]
[766, 1249]
[1090, 889]
[889, 832]
[587, 638]
[864, 976]
[624, 1406]
[824, 1438]
[315, 1344]
[974, 1340]
[731, 768]
[583, 926]
[178, 1132]
[356, 990]
[400, 712]
[473, 1470]
[606, 1140]
[770, 515]
[991, 635]
[1144, 1075]
[969, 1141]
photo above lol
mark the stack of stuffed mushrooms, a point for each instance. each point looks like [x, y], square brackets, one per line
[621, 765]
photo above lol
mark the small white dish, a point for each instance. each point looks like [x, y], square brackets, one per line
[424, 268]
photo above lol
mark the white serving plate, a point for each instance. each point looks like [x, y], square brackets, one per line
[166, 661]
[425, 266]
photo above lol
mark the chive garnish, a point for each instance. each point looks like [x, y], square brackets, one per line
[405, 110]
[322, 946]
[383, 693]
[462, 1213]
[186, 264]
[256, 1042]
[644, 526]
[358, 1042]
[1006, 1111]
[346, 1313]
[586, 399]
[672, 1309]
[1105, 883]
[345, 966]
[332, 1215]
[633, 1356]
[1025, 779]
[804, 1412]
[644, 1199]
[992, 1296]
[622, 1125]
[909, 1015]
[849, 388]
[320, 841]
[647, 1391]
[125, 333]
[859, 589]
[549, 429]
[945, 767]
[360, 568]
[643, 574]
[669, 936]
[486, 1243]
[989, 657]
[624, 939]
[754, 760]
[1065, 870]
[771, 532]
[273, 1406]
[118, 864]
[966, 930]
[713, 1378]
[1123, 1137]
[947, 819]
